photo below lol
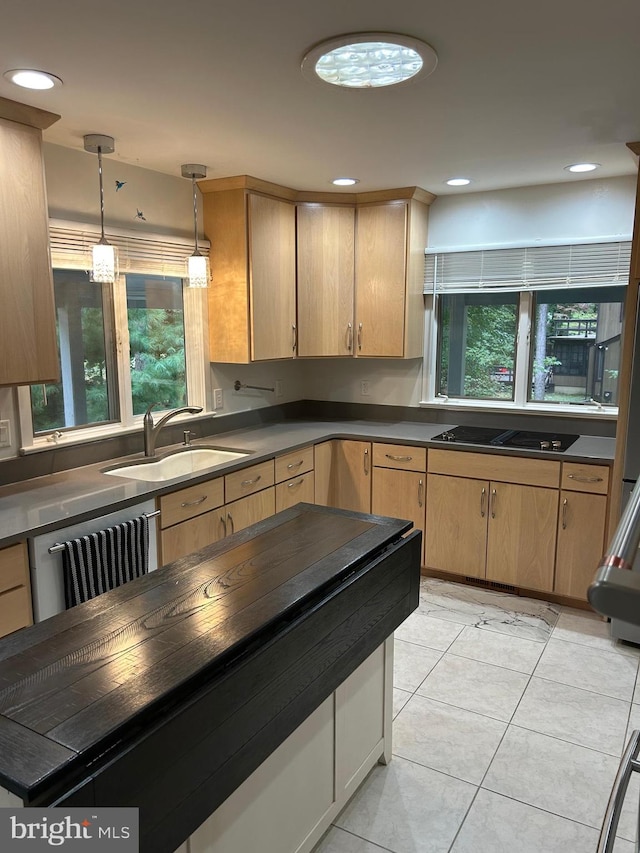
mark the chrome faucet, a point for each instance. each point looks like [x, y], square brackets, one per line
[151, 429]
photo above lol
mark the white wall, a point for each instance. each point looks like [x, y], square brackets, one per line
[580, 210]
[391, 382]
[291, 375]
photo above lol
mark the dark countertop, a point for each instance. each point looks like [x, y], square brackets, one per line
[79, 688]
[58, 500]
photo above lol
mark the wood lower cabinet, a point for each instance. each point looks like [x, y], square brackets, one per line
[456, 522]
[325, 238]
[15, 589]
[522, 535]
[249, 510]
[400, 494]
[581, 541]
[294, 491]
[343, 474]
[193, 535]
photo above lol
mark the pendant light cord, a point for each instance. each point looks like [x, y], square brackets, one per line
[195, 214]
[102, 238]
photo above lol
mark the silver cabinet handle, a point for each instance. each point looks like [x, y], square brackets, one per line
[295, 482]
[294, 331]
[350, 336]
[580, 478]
[194, 503]
[628, 763]
[483, 502]
[564, 514]
[359, 336]
[230, 518]
[292, 465]
[223, 521]
[398, 458]
[420, 493]
[366, 462]
[493, 503]
[251, 482]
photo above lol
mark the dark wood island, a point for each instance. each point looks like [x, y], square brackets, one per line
[174, 692]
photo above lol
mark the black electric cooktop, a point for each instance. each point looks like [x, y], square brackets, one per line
[555, 442]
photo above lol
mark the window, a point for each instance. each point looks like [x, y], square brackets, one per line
[531, 325]
[121, 347]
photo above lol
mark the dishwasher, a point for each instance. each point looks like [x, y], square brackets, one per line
[47, 582]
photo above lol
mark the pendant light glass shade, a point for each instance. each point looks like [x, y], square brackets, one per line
[198, 273]
[104, 266]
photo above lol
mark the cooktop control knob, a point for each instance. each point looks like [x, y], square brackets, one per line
[556, 445]
[544, 445]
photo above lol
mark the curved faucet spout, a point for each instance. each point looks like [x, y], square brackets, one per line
[151, 429]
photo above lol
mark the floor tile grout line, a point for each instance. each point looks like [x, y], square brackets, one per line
[362, 838]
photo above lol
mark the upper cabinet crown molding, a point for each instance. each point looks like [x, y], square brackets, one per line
[28, 346]
[26, 114]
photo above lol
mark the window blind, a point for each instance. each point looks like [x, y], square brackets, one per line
[528, 268]
[71, 245]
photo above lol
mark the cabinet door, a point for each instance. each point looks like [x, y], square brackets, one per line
[192, 535]
[381, 246]
[456, 524]
[15, 589]
[325, 279]
[522, 535]
[351, 475]
[399, 494]
[272, 258]
[249, 510]
[293, 491]
[28, 348]
[581, 542]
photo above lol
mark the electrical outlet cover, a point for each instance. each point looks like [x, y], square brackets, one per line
[218, 401]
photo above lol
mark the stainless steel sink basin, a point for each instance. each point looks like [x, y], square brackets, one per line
[175, 464]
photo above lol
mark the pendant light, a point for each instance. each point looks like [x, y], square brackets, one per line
[104, 268]
[197, 263]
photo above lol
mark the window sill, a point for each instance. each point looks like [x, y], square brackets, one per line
[609, 413]
[93, 434]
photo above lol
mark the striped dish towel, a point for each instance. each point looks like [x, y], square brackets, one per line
[102, 561]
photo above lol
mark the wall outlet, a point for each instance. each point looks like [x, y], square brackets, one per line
[364, 387]
[218, 402]
[279, 388]
[5, 433]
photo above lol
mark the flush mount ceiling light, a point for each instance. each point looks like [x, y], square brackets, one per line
[582, 167]
[104, 268]
[345, 182]
[458, 182]
[29, 78]
[197, 264]
[369, 60]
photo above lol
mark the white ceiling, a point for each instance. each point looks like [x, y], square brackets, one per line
[520, 91]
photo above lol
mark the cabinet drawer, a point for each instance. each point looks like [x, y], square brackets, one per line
[14, 567]
[15, 610]
[249, 480]
[294, 463]
[585, 478]
[486, 466]
[400, 456]
[192, 501]
[298, 489]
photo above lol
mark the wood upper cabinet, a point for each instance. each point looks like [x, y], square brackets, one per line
[252, 298]
[325, 241]
[28, 348]
[389, 275]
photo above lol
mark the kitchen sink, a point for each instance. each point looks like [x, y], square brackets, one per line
[175, 464]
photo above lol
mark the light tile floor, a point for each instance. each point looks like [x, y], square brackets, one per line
[510, 718]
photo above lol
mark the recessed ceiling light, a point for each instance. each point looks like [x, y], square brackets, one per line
[345, 182]
[369, 60]
[582, 167]
[458, 182]
[28, 78]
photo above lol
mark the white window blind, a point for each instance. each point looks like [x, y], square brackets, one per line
[528, 268]
[72, 242]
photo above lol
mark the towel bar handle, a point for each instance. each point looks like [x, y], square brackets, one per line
[58, 546]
